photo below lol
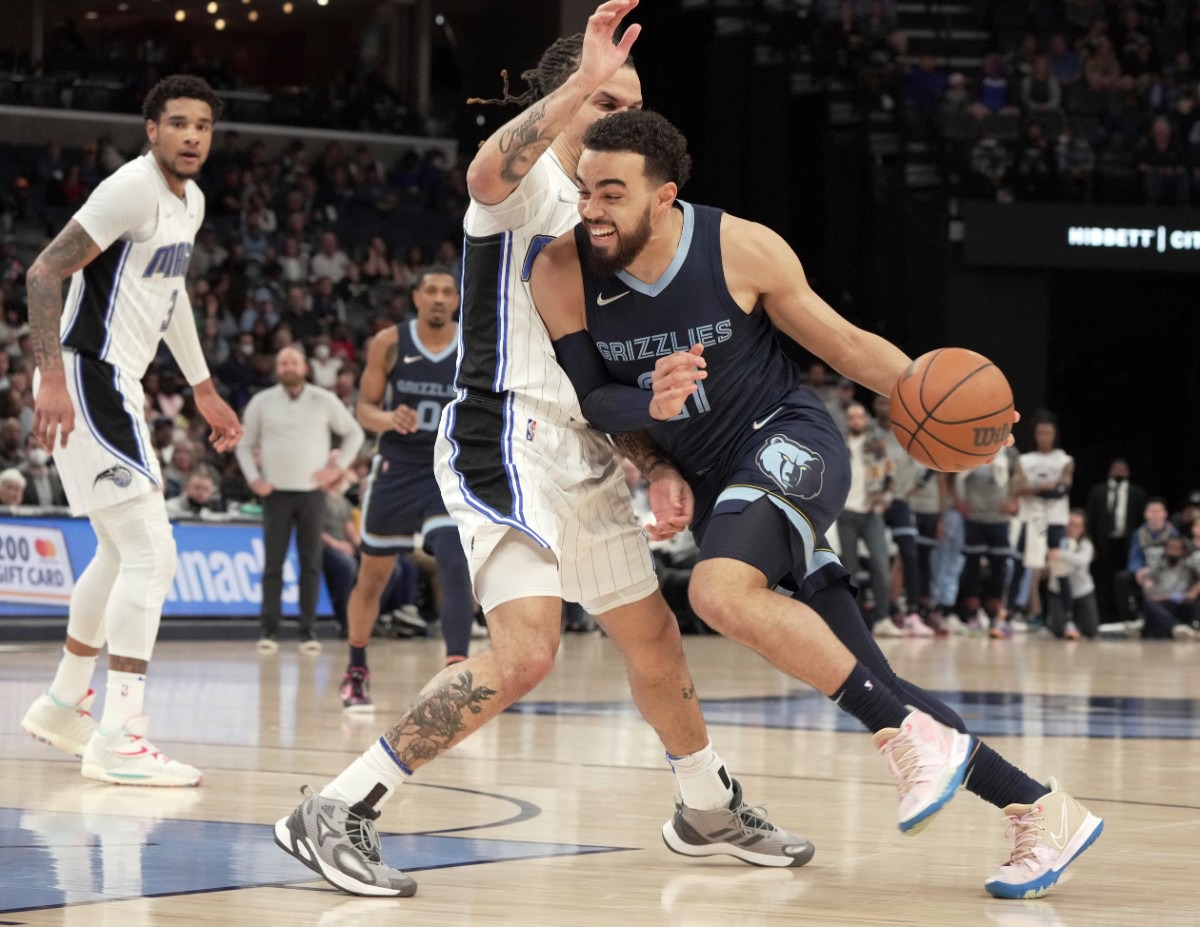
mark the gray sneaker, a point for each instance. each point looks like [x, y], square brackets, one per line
[738, 830]
[339, 842]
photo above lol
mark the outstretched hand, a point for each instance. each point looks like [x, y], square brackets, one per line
[600, 58]
[675, 378]
[226, 429]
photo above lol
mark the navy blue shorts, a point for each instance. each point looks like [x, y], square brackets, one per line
[401, 499]
[798, 465]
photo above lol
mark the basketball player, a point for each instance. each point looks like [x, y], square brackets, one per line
[1041, 484]
[407, 382]
[663, 313]
[541, 505]
[126, 252]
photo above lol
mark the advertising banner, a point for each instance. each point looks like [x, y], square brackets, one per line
[218, 570]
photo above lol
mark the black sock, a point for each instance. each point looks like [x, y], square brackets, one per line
[999, 782]
[358, 657]
[865, 697]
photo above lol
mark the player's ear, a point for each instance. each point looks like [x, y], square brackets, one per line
[666, 194]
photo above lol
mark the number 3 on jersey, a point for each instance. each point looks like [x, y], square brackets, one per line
[170, 311]
[698, 399]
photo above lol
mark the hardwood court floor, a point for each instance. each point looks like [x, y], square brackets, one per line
[550, 816]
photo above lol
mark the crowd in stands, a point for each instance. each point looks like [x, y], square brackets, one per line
[1084, 100]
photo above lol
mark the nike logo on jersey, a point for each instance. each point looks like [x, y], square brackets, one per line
[762, 421]
[569, 198]
[411, 358]
[604, 301]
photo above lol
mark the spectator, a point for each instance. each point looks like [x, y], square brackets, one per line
[1040, 91]
[1076, 162]
[926, 85]
[199, 496]
[298, 316]
[262, 310]
[1034, 177]
[406, 273]
[209, 254]
[12, 268]
[991, 164]
[11, 454]
[1071, 562]
[339, 552]
[43, 486]
[1145, 551]
[377, 262]
[326, 304]
[1065, 63]
[12, 488]
[1112, 506]
[293, 261]
[180, 464]
[325, 367]
[995, 91]
[1169, 592]
[1159, 160]
[330, 261]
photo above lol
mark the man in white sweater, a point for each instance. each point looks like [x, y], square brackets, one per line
[288, 459]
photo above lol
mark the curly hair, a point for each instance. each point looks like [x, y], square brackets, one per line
[177, 87]
[646, 133]
[558, 62]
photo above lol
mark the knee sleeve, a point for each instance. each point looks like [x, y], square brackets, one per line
[142, 535]
[89, 599]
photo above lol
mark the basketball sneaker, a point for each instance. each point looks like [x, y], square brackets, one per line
[885, 627]
[737, 830]
[929, 761]
[67, 727]
[127, 757]
[356, 690]
[1070, 631]
[1047, 836]
[913, 626]
[339, 842]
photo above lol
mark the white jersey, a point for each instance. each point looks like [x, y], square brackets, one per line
[503, 345]
[1039, 469]
[119, 306]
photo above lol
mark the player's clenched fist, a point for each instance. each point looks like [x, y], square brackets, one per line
[674, 379]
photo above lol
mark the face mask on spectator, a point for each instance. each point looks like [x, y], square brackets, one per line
[246, 349]
[38, 457]
[321, 351]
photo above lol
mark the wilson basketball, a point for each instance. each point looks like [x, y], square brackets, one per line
[952, 409]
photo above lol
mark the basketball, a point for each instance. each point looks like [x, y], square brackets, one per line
[952, 409]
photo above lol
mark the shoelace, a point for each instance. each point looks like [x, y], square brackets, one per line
[752, 818]
[360, 828]
[1023, 830]
[907, 767]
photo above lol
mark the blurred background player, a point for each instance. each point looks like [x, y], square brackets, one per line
[408, 379]
[899, 516]
[126, 252]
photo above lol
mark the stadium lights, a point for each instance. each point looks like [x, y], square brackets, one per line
[252, 16]
[287, 7]
[220, 24]
[212, 6]
[180, 16]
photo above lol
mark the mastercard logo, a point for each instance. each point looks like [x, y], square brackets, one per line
[45, 548]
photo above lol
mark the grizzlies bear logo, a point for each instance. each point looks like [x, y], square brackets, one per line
[798, 470]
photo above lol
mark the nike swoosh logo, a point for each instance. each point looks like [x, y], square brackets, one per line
[604, 301]
[568, 199]
[140, 751]
[762, 421]
[1060, 837]
[411, 358]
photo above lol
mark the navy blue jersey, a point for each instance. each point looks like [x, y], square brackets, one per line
[424, 382]
[634, 323]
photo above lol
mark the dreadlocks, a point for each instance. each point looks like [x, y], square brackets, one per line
[557, 63]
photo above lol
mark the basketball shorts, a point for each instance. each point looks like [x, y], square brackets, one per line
[108, 458]
[1036, 539]
[400, 500]
[800, 467]
[500, 469]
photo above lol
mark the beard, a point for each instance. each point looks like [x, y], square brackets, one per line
[629, 246]
[290, 380]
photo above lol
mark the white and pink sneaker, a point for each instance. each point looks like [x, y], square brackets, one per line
[127, 757]
[929, 761]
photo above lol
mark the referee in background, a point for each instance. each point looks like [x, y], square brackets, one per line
[287, 458]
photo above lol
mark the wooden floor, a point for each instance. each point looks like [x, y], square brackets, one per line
[551, 815]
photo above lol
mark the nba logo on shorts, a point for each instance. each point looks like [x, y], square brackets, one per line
[530, 429]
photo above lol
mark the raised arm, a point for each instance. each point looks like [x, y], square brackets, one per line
[760, 266]
[511, 151]
[70, 251]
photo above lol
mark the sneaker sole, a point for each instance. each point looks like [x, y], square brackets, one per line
[100, 774]
[918, 823]
[676, 845]
[300, 848]
[37, 732]
[1036, 888]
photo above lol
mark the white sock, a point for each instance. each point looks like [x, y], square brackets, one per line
[73, 677]
[704, 783]
[124, 699]
[372, 778]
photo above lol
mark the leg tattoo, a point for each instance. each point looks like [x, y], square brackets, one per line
[435, 721]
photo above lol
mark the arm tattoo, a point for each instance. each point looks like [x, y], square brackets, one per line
[435, 721]
[522, 145]
[642, 451]
[44, 292]
[689, 693]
